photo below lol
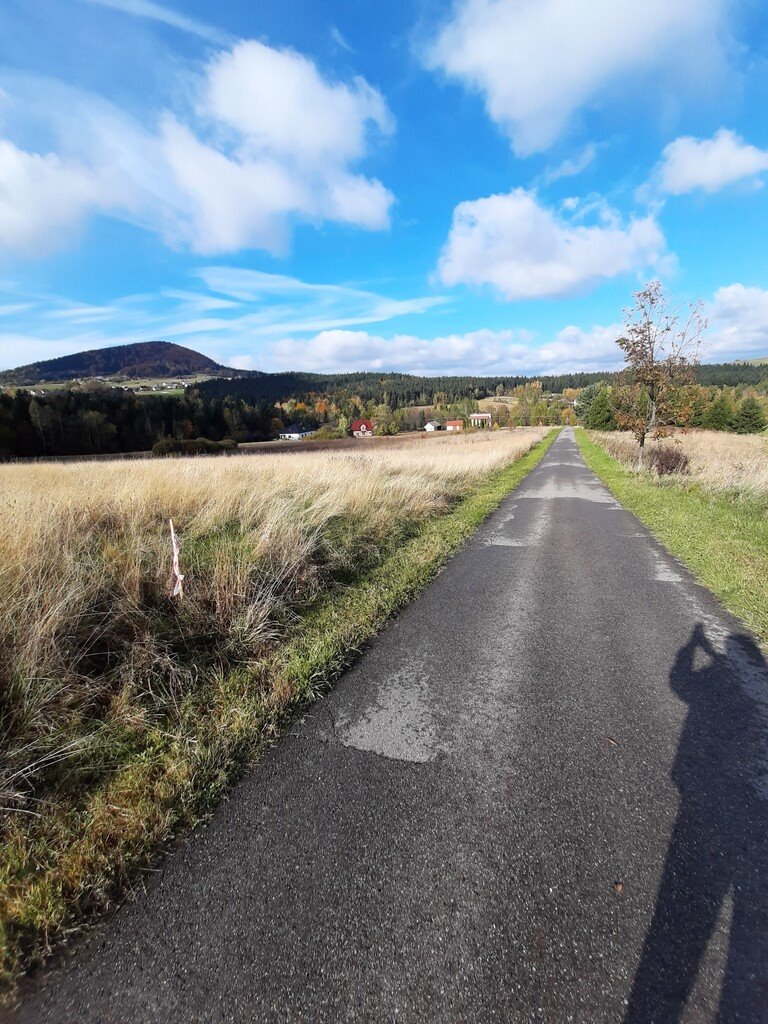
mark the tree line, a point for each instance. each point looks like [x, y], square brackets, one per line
[711, 408]
[105, 421]
[400, 390]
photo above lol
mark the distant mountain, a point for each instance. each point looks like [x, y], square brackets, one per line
[143, 359]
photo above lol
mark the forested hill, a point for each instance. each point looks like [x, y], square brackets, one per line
[142, 359]
[395, 389]
[399, 389]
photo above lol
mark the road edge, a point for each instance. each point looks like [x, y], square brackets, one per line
[684, 526]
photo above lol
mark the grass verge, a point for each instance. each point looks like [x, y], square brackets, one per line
[723, 539]
[74, 859]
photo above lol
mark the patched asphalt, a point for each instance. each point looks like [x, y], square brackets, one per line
[540, 795]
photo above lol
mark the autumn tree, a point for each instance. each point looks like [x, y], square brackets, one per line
[661, 344]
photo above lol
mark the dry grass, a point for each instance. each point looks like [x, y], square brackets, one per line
[87, 632]
[722, 463]
[123, 713]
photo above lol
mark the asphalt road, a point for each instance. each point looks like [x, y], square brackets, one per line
[539, 796]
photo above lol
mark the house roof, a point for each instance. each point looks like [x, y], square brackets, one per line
[297, 428]
[360, 424]
[480, 415]
[433, 423]
[454, 423]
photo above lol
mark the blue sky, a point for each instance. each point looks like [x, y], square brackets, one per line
[430, 187]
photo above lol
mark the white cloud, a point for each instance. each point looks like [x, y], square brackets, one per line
[525, 251]
[538, 63]
[738, 319]
[43, 195]
[279, 103]
[738, 329]
[482, 353]
[272, 143]
[688, 164]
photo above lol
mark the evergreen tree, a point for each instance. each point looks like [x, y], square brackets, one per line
[718, 416]
[585, 399]
[749, 419]
[600, 415]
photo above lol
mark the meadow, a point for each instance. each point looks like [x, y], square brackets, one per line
[124, 711]
[721, 463]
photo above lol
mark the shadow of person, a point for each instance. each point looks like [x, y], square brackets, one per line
[719, 840]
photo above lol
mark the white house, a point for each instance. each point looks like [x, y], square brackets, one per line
[362, 428]
[296, 432]
[433, 425]
[480, 419]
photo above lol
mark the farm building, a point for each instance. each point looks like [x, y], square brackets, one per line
[362, 428]
[296, 432]
[433, 425]
[454, 425]
[480, 419]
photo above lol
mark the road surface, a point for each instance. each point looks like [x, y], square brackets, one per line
[539, 796]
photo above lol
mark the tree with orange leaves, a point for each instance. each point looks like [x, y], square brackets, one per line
[661, 345]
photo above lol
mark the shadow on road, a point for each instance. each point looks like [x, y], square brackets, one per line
[719, 842]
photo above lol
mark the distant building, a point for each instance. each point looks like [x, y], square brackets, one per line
[296, 432]
[480, 419]
[362, 428]
[454, 425]
[433, 425]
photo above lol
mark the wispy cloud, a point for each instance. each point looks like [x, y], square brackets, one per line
[573, 166]
[339, 39]
[229, 312]
[167, 16]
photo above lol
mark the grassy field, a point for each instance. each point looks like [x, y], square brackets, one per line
[125, 713]
[714, 519]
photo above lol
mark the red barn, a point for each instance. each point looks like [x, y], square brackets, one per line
[362, 428]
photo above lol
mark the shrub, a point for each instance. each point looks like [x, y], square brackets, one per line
[198, 446]
[329, 433]
[667, 459]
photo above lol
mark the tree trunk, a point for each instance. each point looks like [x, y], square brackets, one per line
[640, 450]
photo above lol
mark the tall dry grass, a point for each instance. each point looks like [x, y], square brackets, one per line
[94, 653]
[736, 464]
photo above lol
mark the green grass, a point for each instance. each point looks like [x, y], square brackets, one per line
[722, 539]
[78, 856]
